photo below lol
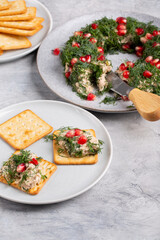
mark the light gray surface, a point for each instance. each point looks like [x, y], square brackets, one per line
[125, 204]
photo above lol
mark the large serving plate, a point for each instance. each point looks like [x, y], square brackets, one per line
[51, 70]
[36, 40]
[68, 181]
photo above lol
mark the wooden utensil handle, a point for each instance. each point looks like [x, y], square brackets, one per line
[147, 104]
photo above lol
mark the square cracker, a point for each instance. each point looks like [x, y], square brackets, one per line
[28, 25]
[48, 169]
[24, 129]
[20, 32]
[16, 7]
[4, 4]
[10, 42]
[91, 159]
[28, 15]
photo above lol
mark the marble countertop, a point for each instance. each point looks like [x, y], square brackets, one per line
[125, 204]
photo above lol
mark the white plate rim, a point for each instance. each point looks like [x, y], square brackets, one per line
[94, 182]
[29, 50]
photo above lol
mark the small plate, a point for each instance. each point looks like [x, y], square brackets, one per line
[68, 181]
[51, 69]
[36, 40]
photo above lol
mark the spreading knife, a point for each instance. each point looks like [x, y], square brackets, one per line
[147, 104]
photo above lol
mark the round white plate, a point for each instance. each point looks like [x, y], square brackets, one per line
[68, 181]
[36, 40]
[51, 69]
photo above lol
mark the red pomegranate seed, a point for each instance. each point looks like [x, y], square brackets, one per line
[67, 74]
[101, 58]
[121, 20]
[88, 58]
[56, 51]
[139, 54]
[75, 44]
[155, 44]
[158, 65]
[149, 36]
[100, 49]
[122, 67]
[147, 74]
[34, 161]
[139, 31]
[126, 46]
[130, 64]
[126, 74]
[143, 40]
[93, 40]
[70, 69]
[121, 27]
[73, 61]
[82, 140]
[122, 32]
[154, 61]
[70, 133]
[94, 25]
[124, 98]
[87, 35]
[155, 33]
[91, 97]
[78, 33]
[139, 48]
[148, 59]
[78, 132]
[21, 168]
[82, 59]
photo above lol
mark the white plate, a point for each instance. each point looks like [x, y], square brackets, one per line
[36, 40]
[68, 181]
[51, 70]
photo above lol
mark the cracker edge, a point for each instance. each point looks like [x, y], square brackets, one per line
[74, 161]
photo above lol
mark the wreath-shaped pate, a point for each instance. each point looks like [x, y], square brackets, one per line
[86, 66]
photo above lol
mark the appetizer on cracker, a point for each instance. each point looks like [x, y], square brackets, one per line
[75, 146]
[27, 172]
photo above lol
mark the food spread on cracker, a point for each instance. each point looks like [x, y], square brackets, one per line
[17, 20]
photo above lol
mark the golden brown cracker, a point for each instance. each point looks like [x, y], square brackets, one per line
[91, 159]
[48, 169]
[16, 7]
[28, 15]
[4, 4]
[1, 52]
[28, 25]
[10, 42]
[20, 32]
[24, 129]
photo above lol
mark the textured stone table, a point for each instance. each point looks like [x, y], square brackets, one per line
[125, 204]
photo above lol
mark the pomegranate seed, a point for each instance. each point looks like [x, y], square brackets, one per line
[88, 58]
[126, 46]
[73, 61]
[143, 40]
[82, 140]
[67, 74]
[122, 67]
[130, 64]
[93, 40]
[75, 44]
[124, 98]
[158, 65]
[147, 74]
[34, 161]
[78, 132]
[87, 35]
[121, 20]
[78, 33]
[149, 36]
[56, 51]
[155, 33]
[122, 32]
[154, 61]
[121, 27]
[148, 59]
[82, 59]
[100, 49]
[70, 133]
[139, 48]
[94, 25]
[126, 74]
[70, 69]
[101, 58]
[139, 54]
[155, 44]
[91, 97]
[21, 168]
[139, 31]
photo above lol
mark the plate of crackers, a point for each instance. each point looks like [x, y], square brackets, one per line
[23, 26]
[50, 152]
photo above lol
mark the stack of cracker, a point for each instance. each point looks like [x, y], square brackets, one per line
[16, 23]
